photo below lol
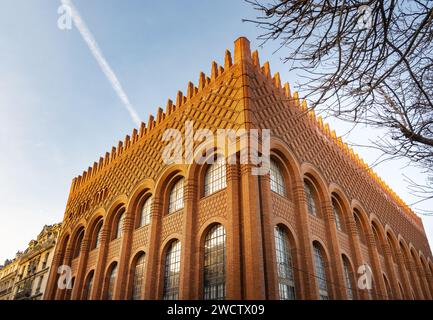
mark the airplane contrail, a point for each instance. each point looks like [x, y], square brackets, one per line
[105, 67]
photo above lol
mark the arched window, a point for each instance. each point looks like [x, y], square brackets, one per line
[215, 178]
[145, 212]
[311, 202]
[138, 280]
[119, 225]
[214, 271]
[78, 244]
[319, 263]
[111, 281]
[286, 282]
[172, 271]
[97, 235]
[69, 291]
[337, 214]
[277, 179]
[88, 286]
[377, 240]
[176, 197]
[347, 278]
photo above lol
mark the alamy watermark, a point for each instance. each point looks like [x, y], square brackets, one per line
[201, 145]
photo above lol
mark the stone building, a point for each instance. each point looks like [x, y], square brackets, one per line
[137, 228]
[33, 265]
[8, 273]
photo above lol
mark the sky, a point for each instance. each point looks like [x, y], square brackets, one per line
[59, 111]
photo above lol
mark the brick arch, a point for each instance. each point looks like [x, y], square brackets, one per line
[166, 176]
[326, 257]
[336, 191]
[352, 275]
[293, 164]
[380, 232]
[85, 293]
[113, 212]
[107, 273]
[427, 273]
[295, 254]
[79, 231]
[162, 257]
[310, 172]
[97, 217]
[131, 269]
[359, 212]
[404, 249]
[141, 193]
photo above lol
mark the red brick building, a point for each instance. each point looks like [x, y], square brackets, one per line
[135, 228]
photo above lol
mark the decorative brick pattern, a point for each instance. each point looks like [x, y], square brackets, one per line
[214, 205]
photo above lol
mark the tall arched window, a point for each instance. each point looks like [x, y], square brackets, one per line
[88, 286]
[337, 214]
[359, 228]
[78, 244]
[277, 179]
[111, 281]
[97, 235]
[377, 240]
[145, 212]
[176, 197]
[319, 263]
[347, 278]
[138, 280]
[286, 282]
[311, 202]
[214, 271]
[119, 225]
[215, 177]
[172, 271]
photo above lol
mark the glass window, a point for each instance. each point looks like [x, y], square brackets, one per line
[88, 287]
[311, 203]
[359, 228]
[215, 178]
[337, 215]
[119, 226]
[320, 272]
[172, 271]
[347, 279]
[138, 277]
[176, 197]
[277, 179]
[145, 212]
[286, 281]
[111, 282]
[98, 235]
[78, 244]
[214, 264]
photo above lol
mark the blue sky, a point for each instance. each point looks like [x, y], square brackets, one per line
[59, 113]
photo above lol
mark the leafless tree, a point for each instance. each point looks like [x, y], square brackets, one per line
[366, 62]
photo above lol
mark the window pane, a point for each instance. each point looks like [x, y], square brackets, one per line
[214, 264]
[138, 277]
[88, 288]
[176, 197]
[145, 212]
[172, 271]
[111, 283]
[336, 215]
[348, 282]
[320, 273]
[284, 265]
[215, 178]
[310, 198]
[98, 235]
[277, 179]
[119, 226]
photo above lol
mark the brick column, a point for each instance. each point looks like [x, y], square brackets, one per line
[404, 277]
[423, 280]
[336, 261]
[415, 280]
[356, 253]
[61, 294]
[429, 280]
[391, 271]
[187, 263]
[81, 271]
[125, 254]
[233, 238]
[268, 238]
[98, 280]
[252, 239]
[153, 263]
[378, 281]
[306, 253]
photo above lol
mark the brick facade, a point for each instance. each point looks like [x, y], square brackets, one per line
[242, 94]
